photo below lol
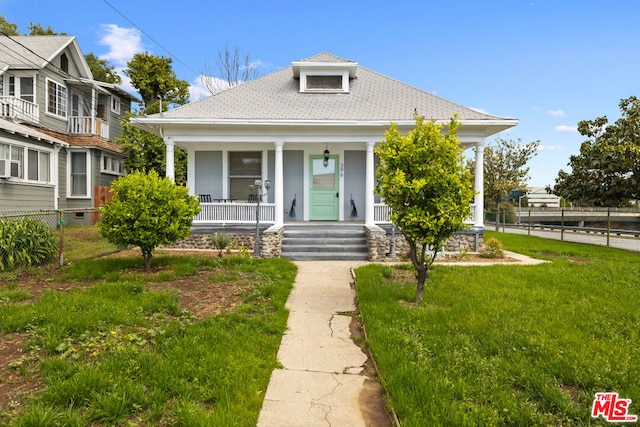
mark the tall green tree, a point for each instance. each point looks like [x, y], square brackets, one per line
[155, 79]
[147, 211]
[422, 179]
[146, 152]
[101, 70]
[8, 28]
[606, 172]
[505, 170]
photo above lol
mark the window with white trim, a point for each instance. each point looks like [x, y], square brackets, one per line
[37, 167]
[79, 174]
[112, 165]
[115, 104]
[244, 168]
[56, 98]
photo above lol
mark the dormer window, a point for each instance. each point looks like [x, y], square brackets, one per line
[324, 77]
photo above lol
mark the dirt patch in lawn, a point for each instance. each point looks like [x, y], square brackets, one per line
[198, 293]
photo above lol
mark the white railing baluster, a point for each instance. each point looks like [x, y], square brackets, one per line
[234, 213]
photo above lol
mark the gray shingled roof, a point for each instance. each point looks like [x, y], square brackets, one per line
[276, 96]
[30, 52]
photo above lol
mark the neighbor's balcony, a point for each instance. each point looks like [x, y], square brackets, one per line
[381, 214]
[86, 125]
[16, 108]
[234, 213]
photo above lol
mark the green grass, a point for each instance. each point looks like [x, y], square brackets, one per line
[84, 241]
[116, 352]
[508, 344]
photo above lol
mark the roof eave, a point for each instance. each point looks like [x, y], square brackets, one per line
[155, 123]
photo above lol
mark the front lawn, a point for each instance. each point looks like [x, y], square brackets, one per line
[192, 343]
[507, 344]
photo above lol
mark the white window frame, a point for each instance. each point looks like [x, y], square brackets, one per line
[60, 89]
[345, 81]
[115, 165]
[115, 104]
[70, 194]
[24, 160]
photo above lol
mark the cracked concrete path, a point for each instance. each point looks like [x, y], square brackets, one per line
[320, 383]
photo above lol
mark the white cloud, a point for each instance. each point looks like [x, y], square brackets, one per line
[122, 43]
[557, 113]
[552, 148]
[564, 128]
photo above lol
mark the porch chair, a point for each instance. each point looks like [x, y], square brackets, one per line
[205, 198]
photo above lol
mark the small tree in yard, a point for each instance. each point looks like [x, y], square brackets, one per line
[147, 211]
[422, 179]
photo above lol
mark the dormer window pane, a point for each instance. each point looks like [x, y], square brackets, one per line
[324, 82]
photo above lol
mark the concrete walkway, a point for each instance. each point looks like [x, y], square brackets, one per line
[320, 383]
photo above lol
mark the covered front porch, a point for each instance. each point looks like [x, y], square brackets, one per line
[306, 185]
[243, 213]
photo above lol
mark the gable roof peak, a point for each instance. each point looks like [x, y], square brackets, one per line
[326, 57]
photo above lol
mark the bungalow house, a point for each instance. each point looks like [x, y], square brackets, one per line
[57, 126]
[310, 130]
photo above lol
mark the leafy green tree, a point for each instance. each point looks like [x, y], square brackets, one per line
[147, 211]
[101, 70]
[155, 79]
[606, 172]
[39, 30]
[146, 152]
[422, 179]
[505, 170]
[8, 28]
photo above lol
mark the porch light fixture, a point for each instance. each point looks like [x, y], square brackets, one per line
[325, 160]
[256, 189]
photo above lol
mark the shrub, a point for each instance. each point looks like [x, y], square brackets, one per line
[220, 241]
[492, 248]
[26, 243]
[147, 211]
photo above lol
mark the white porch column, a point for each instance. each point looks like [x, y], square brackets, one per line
[369, 184]
[478, 220]
[278, 185]
[171, 173]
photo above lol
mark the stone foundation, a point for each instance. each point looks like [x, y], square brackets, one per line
[380, 243]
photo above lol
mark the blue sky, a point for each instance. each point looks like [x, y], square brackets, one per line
[548, 64]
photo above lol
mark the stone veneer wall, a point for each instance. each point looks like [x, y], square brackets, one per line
[379, 243]
[270, 240]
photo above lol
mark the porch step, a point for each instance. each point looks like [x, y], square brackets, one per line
[324, 242]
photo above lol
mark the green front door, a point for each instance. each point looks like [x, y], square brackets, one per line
[323, 191]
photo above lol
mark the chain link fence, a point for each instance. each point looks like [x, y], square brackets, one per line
[76, 232]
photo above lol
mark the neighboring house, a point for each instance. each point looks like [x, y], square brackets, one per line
[57, 125]
[310, 129]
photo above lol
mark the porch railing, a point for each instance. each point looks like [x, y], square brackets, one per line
[381, 214]
[234, 213]
[83, 125]
[16, 108]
